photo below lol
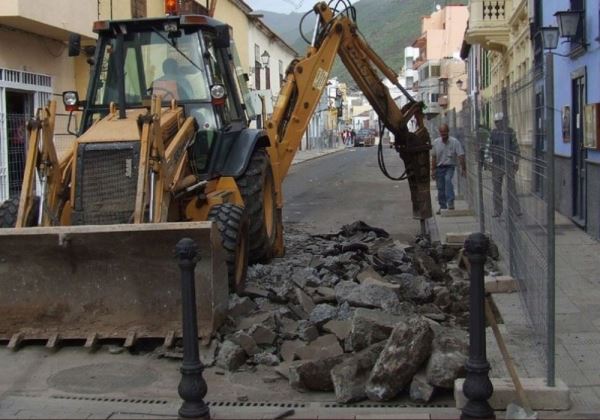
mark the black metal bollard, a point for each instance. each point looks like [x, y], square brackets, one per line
[192, 387]
[477, 387]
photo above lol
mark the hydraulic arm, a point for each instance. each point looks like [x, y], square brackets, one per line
[337, 33]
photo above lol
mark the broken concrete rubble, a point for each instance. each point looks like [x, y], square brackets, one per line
[341, 329]
[231, 356]
[370, 326]
[321, 348]
[323, 313]
[421, 391]
[350, 377]
[448, 357]
[240, 306]
[262, 335]
[361, 295]
[407, 348]
[334, 298]
[245, 342]
[314, 375]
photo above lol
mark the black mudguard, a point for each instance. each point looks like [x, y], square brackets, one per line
[235, 162]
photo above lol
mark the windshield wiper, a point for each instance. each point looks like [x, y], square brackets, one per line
[177, 49]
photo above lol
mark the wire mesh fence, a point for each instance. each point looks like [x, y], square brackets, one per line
[16, 140]
[505, 186]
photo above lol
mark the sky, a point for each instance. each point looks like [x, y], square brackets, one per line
[281, 6]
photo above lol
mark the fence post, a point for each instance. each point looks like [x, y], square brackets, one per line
[508, 174]
[192, 387]
[480, 161]
[550, 207]
[477, 386]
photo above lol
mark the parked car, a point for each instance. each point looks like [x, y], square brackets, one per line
[364, 137]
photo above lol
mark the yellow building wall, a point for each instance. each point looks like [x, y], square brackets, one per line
[35, 54]
[229, 13]
[116, 9]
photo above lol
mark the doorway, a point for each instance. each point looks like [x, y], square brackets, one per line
[19, 109]
[579, 152]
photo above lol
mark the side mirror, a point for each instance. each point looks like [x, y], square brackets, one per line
[222, 38]
[74, 45]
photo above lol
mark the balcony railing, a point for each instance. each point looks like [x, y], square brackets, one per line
[488, 23]
[494, 10]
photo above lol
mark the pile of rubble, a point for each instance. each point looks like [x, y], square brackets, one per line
[356, 313]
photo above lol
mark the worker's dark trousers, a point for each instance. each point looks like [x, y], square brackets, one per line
[513, 200]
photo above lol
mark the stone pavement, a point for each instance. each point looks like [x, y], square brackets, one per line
[577, 316]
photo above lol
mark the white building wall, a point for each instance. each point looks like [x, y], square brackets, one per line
[280, 58]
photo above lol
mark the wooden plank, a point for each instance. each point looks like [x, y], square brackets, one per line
[91, 341]
[169, 339]
[15, 341]
[456, 238]
[456, 213]
[500, 284]
[130, 340]
[53, 341]
[508, 361]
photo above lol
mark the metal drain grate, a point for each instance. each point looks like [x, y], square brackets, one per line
[164, 402]
[111, 399]
[254, 404]
[385, 406]
[248, 404]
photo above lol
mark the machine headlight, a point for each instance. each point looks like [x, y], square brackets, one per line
[71, 100]
[218, 94]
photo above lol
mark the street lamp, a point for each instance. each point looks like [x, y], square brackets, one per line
[550, 35]
[570, 23]
[264, 59]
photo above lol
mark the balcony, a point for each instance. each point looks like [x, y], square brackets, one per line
[489, 24]
[443, 101]
[432, 108]
[55, 21]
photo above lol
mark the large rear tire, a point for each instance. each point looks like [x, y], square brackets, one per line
[9, 210]
[257, 187]
[232, 222]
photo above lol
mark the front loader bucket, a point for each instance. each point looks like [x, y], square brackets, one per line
[99, 282]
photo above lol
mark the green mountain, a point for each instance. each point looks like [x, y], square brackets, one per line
[388, 26]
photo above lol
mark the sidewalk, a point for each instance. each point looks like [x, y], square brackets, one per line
[306, 155]
[577, 316]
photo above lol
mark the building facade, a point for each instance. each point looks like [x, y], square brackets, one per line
[438, 63]
[502, 29]
[34, 67]
[576, 92]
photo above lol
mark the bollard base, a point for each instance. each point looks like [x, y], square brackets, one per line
[193, 411]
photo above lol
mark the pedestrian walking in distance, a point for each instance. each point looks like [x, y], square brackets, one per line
[446, 153]
[504, 151]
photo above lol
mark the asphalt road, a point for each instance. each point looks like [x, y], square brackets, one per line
[323, 194]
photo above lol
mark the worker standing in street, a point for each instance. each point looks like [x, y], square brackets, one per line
[446, 152]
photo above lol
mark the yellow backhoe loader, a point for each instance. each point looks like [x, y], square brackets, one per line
[163, 151]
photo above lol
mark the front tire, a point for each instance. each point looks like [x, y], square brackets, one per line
[232, 223]
[9, 210]
[257, 187]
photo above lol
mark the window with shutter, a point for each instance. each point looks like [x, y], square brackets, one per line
[138, 9]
